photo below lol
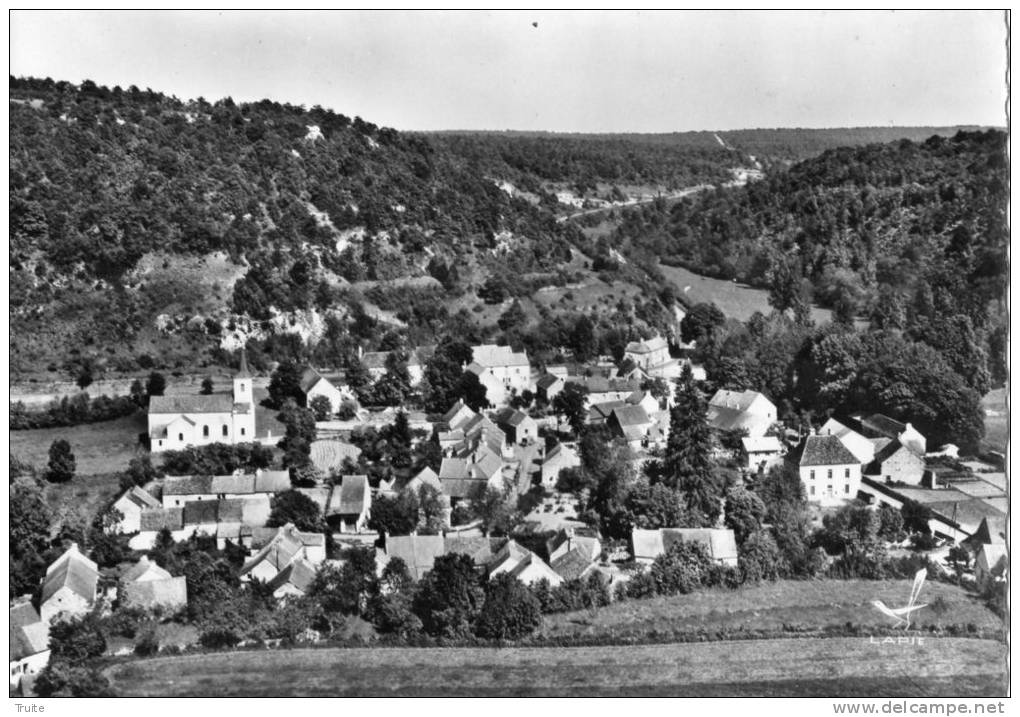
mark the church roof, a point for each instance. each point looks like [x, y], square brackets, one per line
[192, 403]
[242, 370]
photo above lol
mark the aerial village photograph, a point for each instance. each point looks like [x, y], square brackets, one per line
[509, 354]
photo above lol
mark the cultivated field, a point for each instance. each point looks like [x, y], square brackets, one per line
[104, 447]
[773, 606]
[834, 667]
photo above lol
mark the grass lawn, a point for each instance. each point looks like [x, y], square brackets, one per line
[833, 667]
[99, 448]
[770, 606]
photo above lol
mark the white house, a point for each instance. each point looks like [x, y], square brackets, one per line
[314, 384]
[741, 410]
[831, 474]
[523, 565]
[180, 421]
[350, 504]
[147, 585]
[518, 426]
[69, 588]
[991, 564]
[178, 490]
[719, 543]
[30, 641]
[288, 545]
[652, 356]
[859, 445]
[762, 452]
[501, 371]
[130, 505]
[880, 425]
[558, 457]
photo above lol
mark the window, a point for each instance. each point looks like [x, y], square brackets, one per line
[242, 431]
[180, 437]
[812, 477]
[846, 488]
[846, 474]
[830, 474]
[828, 489]
[205, 431]
[226, 431]
[242, 386]
[812, 490]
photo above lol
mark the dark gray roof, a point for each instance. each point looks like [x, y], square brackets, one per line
[188, 485]
[200, 512]
[884, 425]
[571, 565]
[192, 403]
[349, 498]
[826, 451]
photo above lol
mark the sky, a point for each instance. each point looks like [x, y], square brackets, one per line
[592, 71]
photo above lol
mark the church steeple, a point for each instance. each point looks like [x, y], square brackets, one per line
[242, 381]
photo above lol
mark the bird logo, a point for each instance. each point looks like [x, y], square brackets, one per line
[902, 615]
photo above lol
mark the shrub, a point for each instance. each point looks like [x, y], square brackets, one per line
[681, 569]
[147, 643]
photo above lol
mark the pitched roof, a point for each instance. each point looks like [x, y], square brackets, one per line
[510, 417]
[546, 380]
[883, 424]
[299, 573]
[349, 499]
[169, 591]
[192, 403]
[601, 384]
[656, 343]
[28, 634]
[159, 518]
[320, 496]
[142, 567]
[279, 551]
[230, 510]
[72, 570]
[631, 416]
[242, 370]
[490, 355]
[201, 512]
[461, 487]
[140, 497]
[761, 444]
[739, 400]
[478, 547]
[825, 451]
[571, 565]
[309, 377]
[272, 481]
[188, 485]
[238, 484]
[891, 448]
[375, 359]
[24, 613]
[720, 543]
[419, 552]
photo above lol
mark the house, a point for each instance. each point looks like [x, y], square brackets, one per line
[523, 564]
[897, 463]
[991, 565]
[458, 416]
[572, 565]
[632, 424]
[741, 410]
[148, 586]
[418, 552]
[877, 425]
[375, 363]
[178, 490]
[180, 421]
[482, 466]
[69, 587]
[719, 543]
[130, 505]
[416, 363]
[586, 540]
[295, 579]
[315, 384]
[652, 357]
[29, 641]
[426, 476]
[762, 452]
[518, 426]
[350, 504]
[859, 445]
[501, 371]
[645, 400]
[286, 545]
[558, 457]
[549, 385]
[155, 520]
[602, 389]
[830, 473]
[202, 516]
[991, 529]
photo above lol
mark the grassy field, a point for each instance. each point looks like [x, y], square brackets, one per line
[736, 300]
[832, 667]
[99, 448]
[771, 606]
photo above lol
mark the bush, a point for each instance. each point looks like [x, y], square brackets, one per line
[147, 643]
[510, 610]
[681, 569]
[641, 585]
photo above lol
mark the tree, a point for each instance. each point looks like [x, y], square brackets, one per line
[62, 463]
[491, 506]
[285, 384]
[701, 323]
[780, 488]
[358, 379]
[571, 402]
[582, 339]
[680, 569]
[141, 471]
[513, 318]
[298, 436]
[443, 372]
[138, 395]
[853, 532]
[916, 516]
[651, 507]
[890, 523]
[471, 391]
[510, 610]
[449, 597]
[156, 384]
[292, 506]
[759, 558]
[744, 513]
[432, 509]
[687, 464]
[321, 407]
[29, 536]
[345, 590]
[207, 386]
[395, 515]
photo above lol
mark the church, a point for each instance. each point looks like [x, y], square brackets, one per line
[177, 422]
